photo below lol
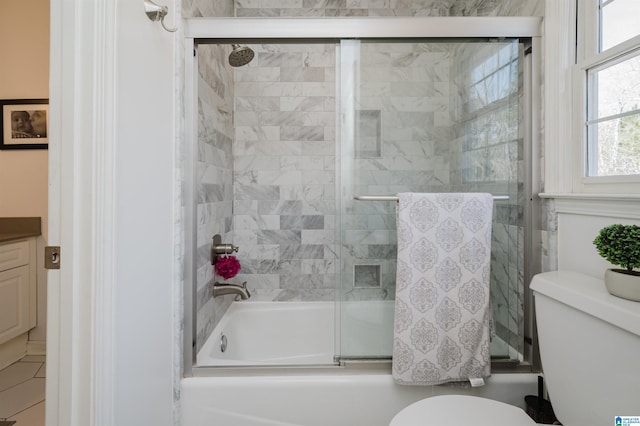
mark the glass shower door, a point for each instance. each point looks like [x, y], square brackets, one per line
[426, 116]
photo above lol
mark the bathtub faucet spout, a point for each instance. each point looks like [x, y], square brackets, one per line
[241, 291]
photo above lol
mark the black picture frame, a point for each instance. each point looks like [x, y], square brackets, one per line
[24, 123]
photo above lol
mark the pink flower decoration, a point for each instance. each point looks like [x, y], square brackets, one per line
[227, 267]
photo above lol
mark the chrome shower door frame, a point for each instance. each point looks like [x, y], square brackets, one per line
[233, 30]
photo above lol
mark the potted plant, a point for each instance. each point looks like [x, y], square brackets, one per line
[620, 245]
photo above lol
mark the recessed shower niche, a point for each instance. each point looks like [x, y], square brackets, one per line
[286, 141]
[366, 275]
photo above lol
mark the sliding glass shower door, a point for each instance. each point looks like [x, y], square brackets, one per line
[426, 116]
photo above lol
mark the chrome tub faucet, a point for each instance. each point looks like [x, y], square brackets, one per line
[240, 290]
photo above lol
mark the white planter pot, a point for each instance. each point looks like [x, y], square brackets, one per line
[622, 285]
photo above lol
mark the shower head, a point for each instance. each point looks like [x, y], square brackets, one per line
[241, 55]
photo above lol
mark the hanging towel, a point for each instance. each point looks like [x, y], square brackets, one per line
[442, 315]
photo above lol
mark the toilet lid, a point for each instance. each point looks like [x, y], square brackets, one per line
[461, 410]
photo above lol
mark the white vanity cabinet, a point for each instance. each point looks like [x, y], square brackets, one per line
[17, 288]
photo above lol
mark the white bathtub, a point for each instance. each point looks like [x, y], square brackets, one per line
[298, 333]
[301, 334]
[268, 333]
[335, 397]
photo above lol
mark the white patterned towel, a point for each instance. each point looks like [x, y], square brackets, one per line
[442, 315]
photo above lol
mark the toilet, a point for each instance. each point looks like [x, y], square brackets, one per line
[589, 346]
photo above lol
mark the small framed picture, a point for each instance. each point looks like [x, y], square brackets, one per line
[25, 124]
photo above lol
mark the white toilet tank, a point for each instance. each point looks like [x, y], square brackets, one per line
[590, 348]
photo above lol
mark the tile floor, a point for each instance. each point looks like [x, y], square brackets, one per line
[22, 392]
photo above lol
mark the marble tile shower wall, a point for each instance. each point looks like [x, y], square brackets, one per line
[214, 177]
[272, 8]
[215, 134]
[208, 8]
[368, 240]
[284, 179]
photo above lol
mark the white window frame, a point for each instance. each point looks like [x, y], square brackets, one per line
[588, 57]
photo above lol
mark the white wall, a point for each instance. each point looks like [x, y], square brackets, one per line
[144, 240]
[24, 74]
[579, 221]
[114, 304]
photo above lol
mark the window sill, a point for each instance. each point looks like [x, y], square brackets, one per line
[587, 196]
[623, 206]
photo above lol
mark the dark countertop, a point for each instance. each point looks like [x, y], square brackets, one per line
[15, 228]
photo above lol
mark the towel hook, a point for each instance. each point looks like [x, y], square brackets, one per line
[156, 12]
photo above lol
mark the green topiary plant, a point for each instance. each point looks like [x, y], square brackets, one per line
[620, 245]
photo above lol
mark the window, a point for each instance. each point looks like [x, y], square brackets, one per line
[613, 117]
[618, 22]
[610, 89]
